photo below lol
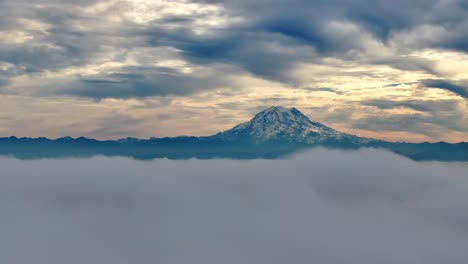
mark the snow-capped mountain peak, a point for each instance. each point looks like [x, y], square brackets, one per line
[280, 123]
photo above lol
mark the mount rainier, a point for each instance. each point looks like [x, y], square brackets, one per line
[271, 133]
[287, 125]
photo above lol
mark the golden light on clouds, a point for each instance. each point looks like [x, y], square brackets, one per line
[163, 68]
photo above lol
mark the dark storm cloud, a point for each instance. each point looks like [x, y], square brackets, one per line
[60, 46]
[447, 85]
[139, 82]
[274, 36]
[375, 207]
[260, 52]
[303, 19]
[307, 23]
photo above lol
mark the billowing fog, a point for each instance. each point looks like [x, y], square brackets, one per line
[322, 206]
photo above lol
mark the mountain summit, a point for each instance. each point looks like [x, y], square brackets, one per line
[281, 124]
[271, 133]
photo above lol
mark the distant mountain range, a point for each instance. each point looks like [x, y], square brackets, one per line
[272, 133]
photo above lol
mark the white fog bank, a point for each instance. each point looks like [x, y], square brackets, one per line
[321, 206]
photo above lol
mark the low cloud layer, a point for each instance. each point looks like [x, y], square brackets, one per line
[321, 206]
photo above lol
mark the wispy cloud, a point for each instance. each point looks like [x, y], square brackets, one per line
[447, 85]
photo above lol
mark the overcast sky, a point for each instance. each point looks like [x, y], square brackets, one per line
[395, 70]
[376, 207]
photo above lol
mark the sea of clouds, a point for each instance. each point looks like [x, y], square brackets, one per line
[321, 206]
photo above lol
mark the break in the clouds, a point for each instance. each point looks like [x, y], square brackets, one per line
[375, 207]
[200, 56]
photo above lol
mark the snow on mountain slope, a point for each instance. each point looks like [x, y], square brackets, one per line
[282, 124]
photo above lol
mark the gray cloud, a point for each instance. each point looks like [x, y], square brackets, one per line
[375, 207]
[433, 119]
[259, 52]
[325, 89]
[273, 37]
[303, 19]
[430, 106]
[139, 82]
[447, 85]
[432, 126]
